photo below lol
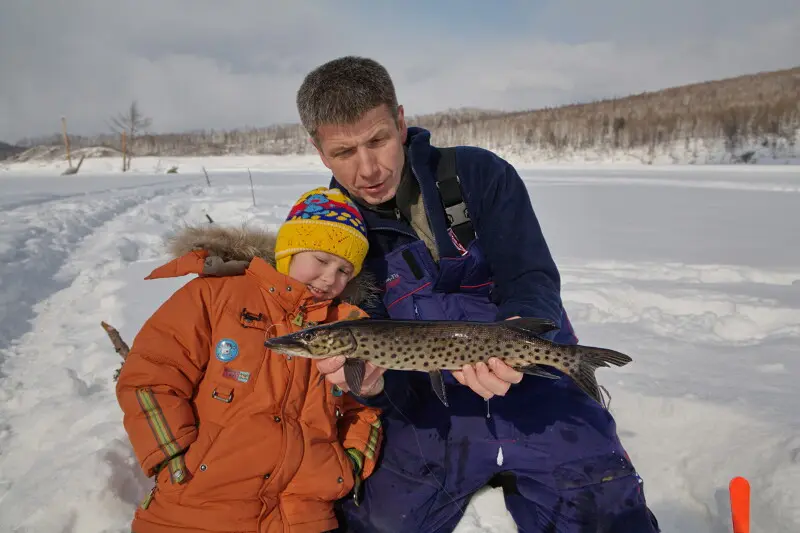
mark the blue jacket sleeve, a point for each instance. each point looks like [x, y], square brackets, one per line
[527, 281]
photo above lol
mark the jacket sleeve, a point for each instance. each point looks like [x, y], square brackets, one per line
[527, 281]
[157, 381]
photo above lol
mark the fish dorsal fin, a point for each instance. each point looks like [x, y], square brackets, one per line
[533, 326]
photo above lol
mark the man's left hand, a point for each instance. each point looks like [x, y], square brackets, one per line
[489, 380]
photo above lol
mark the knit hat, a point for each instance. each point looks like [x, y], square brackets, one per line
[325, 220]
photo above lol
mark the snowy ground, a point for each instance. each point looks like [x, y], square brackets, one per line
[694, 271]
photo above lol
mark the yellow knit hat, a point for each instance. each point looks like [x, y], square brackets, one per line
[325, 220]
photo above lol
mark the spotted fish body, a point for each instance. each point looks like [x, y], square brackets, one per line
[432, 346]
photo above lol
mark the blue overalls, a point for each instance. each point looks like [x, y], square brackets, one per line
[554, 449]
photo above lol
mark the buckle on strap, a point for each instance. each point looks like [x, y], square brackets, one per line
[454, 205]
[457, 214]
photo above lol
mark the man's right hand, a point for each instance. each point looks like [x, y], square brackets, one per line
[372, 384]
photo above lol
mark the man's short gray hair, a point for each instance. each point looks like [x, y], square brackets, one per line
[340, 91]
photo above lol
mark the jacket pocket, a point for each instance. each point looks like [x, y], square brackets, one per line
[199, 449]
[192, 459]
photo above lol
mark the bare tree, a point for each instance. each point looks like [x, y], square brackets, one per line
[131, 122]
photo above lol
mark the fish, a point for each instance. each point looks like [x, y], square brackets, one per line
[435, 345]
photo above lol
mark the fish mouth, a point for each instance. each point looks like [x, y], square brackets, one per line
[287, 345]
[283, 342]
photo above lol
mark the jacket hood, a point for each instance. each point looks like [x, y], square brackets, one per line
[230, 249]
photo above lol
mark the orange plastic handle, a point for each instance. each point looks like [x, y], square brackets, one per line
[739, 489]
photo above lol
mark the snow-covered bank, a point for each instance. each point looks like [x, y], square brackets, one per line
[758, 150]
[697, 152]
[693, 271]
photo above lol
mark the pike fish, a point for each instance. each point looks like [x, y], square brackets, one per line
[435, 345]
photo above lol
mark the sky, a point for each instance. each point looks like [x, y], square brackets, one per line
[203, 64]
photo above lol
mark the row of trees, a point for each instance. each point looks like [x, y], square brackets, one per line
[753, 106]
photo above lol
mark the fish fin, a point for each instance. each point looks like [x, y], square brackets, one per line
[536, 370]
[534, 326]
[354, 374]
[592, 359]
[437, 382]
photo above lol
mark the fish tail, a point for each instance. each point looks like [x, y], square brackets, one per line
[590, 360]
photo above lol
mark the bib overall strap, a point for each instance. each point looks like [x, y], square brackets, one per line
[449, 185]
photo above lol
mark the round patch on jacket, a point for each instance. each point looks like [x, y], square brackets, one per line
[227, 350]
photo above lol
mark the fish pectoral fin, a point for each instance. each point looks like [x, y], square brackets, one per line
[534, 326]
[354, 374]
[437, 382]
[536, 370]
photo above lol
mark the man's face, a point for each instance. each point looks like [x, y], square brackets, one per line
[366, 157]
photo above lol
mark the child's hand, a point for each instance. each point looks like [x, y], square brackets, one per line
[371, 385]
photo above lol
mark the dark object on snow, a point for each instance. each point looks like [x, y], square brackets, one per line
[74, 170]
[120, 346]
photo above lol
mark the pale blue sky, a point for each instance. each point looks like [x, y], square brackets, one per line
[212, 64]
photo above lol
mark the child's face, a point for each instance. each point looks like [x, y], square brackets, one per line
[325, 274]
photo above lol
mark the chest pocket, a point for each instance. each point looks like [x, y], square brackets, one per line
[237, 358]
[417, 288]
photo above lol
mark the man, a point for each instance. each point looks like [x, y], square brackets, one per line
[554, 450]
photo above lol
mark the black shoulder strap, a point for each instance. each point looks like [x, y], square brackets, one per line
[449, 185]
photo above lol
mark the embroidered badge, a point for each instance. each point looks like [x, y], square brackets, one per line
[392, 280]
[239, 375]
[227, 350]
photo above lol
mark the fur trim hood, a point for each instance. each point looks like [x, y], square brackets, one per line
[230, 250]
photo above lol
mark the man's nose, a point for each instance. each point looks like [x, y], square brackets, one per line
[368, 163]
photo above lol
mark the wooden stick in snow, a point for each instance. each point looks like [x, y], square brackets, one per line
[251, 187]
[120, 345]
[66, 139]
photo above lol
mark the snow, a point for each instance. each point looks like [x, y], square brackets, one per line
[692, 270]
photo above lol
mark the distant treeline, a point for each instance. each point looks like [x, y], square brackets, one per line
[764, 105]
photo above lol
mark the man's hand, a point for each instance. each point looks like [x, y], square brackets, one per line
[491, 380]
[372, 384]
[488, 381]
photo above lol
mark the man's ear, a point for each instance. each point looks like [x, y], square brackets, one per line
[401, 123]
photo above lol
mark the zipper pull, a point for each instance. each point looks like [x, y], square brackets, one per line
[397, 213]
[298, 320]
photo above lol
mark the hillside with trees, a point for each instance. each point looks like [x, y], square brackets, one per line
[8, 150]
[726, 120]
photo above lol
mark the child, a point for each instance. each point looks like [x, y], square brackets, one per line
[240, 438]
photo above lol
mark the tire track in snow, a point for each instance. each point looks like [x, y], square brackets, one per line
[58, 400]
[721, 305]
[35, 241]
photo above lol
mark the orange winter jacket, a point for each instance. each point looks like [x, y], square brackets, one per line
[240, 439]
